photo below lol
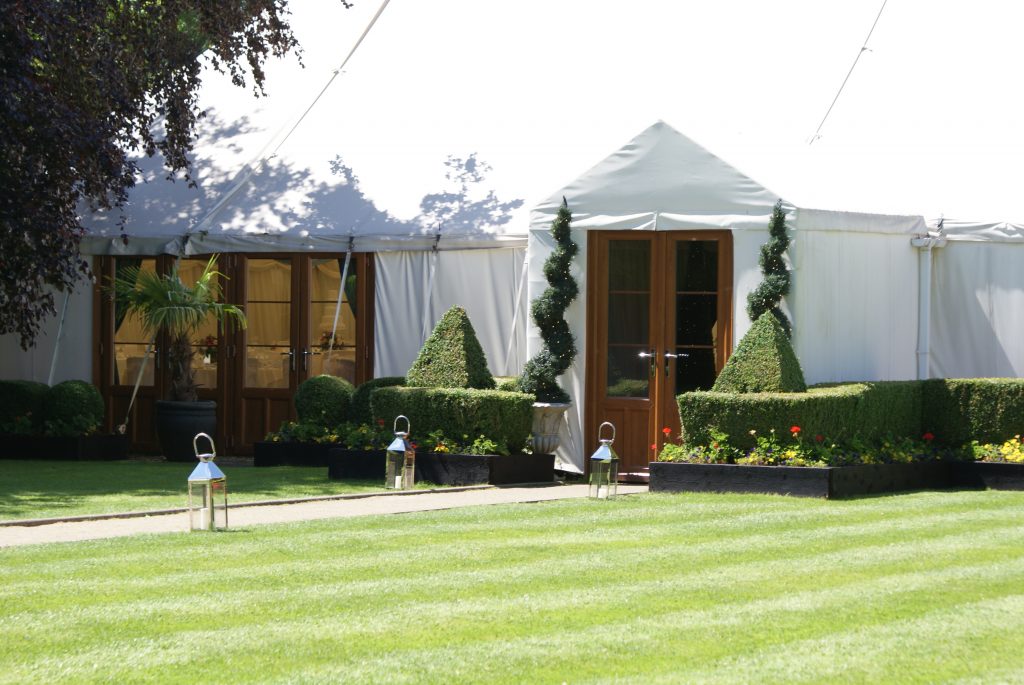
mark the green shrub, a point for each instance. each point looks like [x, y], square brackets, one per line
[451, 357]
[959, 410]
[361, 412]
[507, 383]
[21, 403]
[764, 361]
[72, 408]
[502, 417]
[838, 413]
[323, 400]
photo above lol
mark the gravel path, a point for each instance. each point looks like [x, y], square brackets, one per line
[309, 510]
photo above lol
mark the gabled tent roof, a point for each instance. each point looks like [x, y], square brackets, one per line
[661, 175]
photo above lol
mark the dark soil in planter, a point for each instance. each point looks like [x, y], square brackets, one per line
[83, 448]
[830, 482]
[292, 454]
[986, 474]
[447, 469]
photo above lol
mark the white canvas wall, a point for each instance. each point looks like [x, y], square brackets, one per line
[74, 362]
[485, 282]
[854, 305]
[977, 312]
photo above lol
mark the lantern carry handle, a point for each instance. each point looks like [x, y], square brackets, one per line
[408, 426]
[195, 447]
[601, 428]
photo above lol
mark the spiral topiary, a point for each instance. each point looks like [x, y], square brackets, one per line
[767, 296]
[540, 375]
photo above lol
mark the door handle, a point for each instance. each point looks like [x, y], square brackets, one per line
[669, 355]
[305, 359]
[654, 360]
[291, 358]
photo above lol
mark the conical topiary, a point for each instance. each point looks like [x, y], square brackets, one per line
[764, 361]
[451, 357]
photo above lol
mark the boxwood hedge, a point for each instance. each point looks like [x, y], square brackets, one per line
[958, 410]
[954, 411]
[361, 412]
[19, 398]
[324, 400]
[504, 417]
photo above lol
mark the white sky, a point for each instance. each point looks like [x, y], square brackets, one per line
[544, 89]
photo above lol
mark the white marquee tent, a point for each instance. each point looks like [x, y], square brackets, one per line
[466, 115]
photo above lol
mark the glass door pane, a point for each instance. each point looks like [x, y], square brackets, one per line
[629, 305]
[334, 356]
[696, 314]
[205, 342]
[129, 341]
[269, 353]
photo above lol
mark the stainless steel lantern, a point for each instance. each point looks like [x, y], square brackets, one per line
[604, 467]
[207, 491]
[400, 471]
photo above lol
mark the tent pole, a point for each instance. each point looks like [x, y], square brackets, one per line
[515, 313]
[924, 297]
[430, 289]
[337, 306]
[60, 334]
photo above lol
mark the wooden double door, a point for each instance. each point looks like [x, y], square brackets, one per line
[292, 306]
[659, 314]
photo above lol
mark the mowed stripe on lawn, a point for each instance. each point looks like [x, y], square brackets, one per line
[909, 588]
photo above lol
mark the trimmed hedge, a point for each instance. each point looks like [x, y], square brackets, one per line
[451, 357]
[18, 398]
[72, 408]
[958, 410]
[764, 361]
[324, 400]
[839, 413]
[504, 417]
[361, 412]
[954, 411]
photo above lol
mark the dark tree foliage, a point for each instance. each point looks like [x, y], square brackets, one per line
[82, 85]
[540, 375]
[767, 296]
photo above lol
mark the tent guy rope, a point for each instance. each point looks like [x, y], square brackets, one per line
[863, 48]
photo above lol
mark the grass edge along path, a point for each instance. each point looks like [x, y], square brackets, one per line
[54, 489]
[912, 588]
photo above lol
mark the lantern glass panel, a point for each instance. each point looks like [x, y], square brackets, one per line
[208, 504]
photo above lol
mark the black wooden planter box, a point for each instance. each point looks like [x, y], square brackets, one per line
[985, 474]
[355, 464]
[83, 448]
[291, 454]
[448, 469]
[800, 481]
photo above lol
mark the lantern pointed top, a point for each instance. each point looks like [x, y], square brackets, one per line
[206, 470]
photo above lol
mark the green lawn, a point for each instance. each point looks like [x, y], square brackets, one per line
[925, 587]
[39, 489]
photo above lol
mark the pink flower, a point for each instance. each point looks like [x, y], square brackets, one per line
[654, 445]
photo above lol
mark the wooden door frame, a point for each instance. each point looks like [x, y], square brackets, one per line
[597, 315]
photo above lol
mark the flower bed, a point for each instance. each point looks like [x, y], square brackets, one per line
[801, 481]
[821, 468]
[78, 448]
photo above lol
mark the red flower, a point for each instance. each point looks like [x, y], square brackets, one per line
[380, 422]
[794, 429]
[666, 430]
[654, 445]
[819, 438]
[927, 437]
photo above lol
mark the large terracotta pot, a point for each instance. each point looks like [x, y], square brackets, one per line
[547, 425]
[178, 422]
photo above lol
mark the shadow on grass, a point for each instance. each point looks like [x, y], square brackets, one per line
[37, 489]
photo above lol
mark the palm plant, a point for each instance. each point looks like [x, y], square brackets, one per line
[164, 303]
